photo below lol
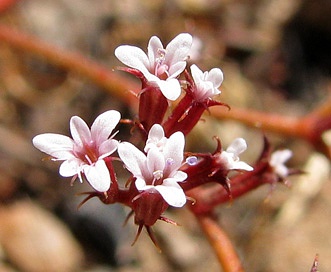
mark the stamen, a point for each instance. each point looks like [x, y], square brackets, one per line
[168, 169]
[116, 132]
[158, 174]
[169, 161]
[161, 68]
[161, 52]
[88, 159]
[192, 160]
[73, 180]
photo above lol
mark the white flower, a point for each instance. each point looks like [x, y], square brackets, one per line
[158, 169]
[86, 151]
[231, 156]
[277, 161]
[161, 65]
[207, 83]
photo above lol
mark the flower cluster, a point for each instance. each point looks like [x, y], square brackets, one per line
[162, 173]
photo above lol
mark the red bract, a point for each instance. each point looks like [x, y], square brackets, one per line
[216, 166]
[189, 110]
[152, 107]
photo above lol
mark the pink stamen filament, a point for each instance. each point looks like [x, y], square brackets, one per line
[88, 154]
[88, 159]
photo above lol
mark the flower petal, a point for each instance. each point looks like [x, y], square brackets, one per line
[277, 161]
[133, 57]
[155, 160]
[237, 147]
[156, 133]
[156, 138]
[178, 48]
[133, 158]
[70, 168]
[55, 145]
[140, 184]
[179, 176]
[240, 165]
[170, 88]
[174, 149]
[215, 75]
[172, 193]
[197, 74]
[280, 156]
[80, 132]
[107, 148]
[176, 69]
[104, 124]
[281, 170]
[98, 175]
[153, 48]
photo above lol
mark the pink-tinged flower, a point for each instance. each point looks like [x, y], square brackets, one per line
[158, 169]
[277, 162]
[84, 153]
[206, 83]
[161, 65]
[230, 157]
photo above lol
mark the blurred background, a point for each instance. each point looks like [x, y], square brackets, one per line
[275, 56]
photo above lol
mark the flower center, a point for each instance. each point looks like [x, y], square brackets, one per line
[88, 154]
[168, 167]
[161, 69]
[158, 175]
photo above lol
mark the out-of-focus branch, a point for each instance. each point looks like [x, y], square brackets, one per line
[6, 4]
[220, 242]
[309, 127]
[289, 126]
[102, 76]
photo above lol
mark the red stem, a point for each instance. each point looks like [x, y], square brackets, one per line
[100, 75]
[290, 126]
[220, 242]
[208, 198]
[308, 128]
[6, 4]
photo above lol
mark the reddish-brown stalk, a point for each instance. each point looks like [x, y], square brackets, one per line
[102, 76]
[6, 4]
[221, 244]
[309, 127]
